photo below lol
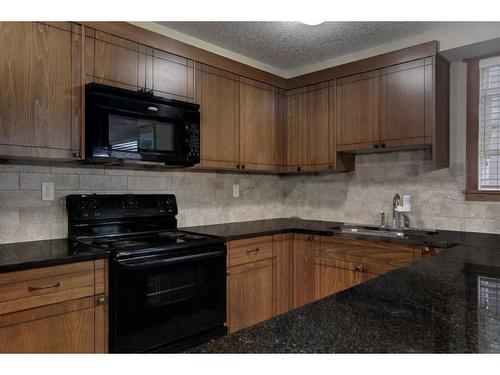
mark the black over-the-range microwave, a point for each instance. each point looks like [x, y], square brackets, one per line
[124, 126]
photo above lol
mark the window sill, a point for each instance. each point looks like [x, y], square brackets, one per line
[482, 196]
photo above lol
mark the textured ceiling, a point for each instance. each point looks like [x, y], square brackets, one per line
[290, 45]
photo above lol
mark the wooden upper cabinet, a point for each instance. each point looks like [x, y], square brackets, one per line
[403, 103]
[172, 76]
[320, 145]
[218, 95]
[356, 107]
[260, 118]
[40, 100]
[297, 130]
[114, 61]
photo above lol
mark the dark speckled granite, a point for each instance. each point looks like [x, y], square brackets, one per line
[24, 255]
[431, 306]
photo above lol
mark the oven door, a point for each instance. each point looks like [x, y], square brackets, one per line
[161, 302]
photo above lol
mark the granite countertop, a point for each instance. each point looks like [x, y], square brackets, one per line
[24, 255]
[447, 303]
[34, 254]
[245, 229]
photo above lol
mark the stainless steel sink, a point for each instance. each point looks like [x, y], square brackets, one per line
[367, 230]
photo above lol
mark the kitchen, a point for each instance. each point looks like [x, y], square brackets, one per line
[182, 187]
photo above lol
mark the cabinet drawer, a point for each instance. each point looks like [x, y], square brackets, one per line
[250, 250]
[44, 286]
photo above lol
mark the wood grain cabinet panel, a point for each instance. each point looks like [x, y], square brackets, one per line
[356, 104]
[172, 76]
[303, 270]
[40, 101]
[283, 272]
[297, 130]
[332, 278]
[218, 95]
[403, 104]
[320, 147]
[259, 126]
[250, 294]
[115, 61]
[59, 309]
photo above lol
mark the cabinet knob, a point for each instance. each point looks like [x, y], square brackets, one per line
[249, 251]
[356, 269]
[426, 250]
[364, 269]
[101, 300]
[375, 145]
[238, 166]
[242, 166]
[298, 169]
[382, 145]
[77, 155]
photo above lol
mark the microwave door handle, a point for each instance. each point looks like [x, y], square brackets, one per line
[169, 261]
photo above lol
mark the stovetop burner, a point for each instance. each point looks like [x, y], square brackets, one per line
[140, 242]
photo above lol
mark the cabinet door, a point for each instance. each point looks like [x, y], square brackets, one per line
[403, 94]
[218, 95]
[115, 61]
[297, 128]
[66, 327]
[40, 100]
[283, 250]
[320, 128]
[332, 278]
[259, 126]
[357, 117]
[250, 294]
[303, 270]
[172, 76]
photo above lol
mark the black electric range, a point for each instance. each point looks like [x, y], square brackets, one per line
[167, 286]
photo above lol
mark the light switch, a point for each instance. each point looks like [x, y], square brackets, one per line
[236, 191]
[47, 191]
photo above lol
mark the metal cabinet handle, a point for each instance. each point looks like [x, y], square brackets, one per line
[76, 155]
[356, 269]
[56, 284]
[252, 250]
[101, 300]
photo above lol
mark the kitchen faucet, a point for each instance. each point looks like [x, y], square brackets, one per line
[396, 201]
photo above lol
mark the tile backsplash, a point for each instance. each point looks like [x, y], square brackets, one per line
[203, 198]
[206, 198]
[359, 196]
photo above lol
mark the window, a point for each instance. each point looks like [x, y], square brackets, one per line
[483, 129]
[489, 124]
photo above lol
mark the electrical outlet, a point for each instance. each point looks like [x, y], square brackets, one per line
[47, 191]
[236, 191]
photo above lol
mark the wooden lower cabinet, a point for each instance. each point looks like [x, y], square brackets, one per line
[270, 275]
[303, 270]
[76, 323]
[334, 276]
[250, 294]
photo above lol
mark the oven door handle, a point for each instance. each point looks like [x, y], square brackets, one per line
[168, 261]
